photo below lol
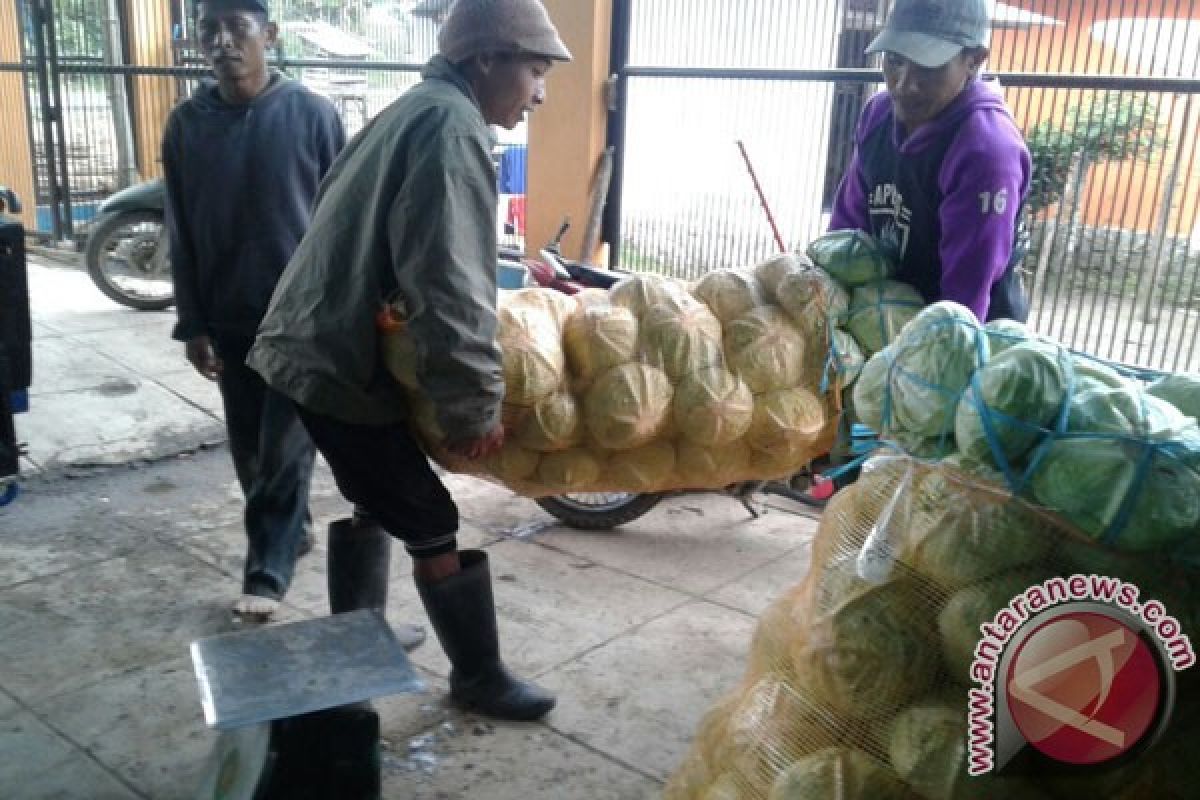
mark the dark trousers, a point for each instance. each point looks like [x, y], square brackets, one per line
[385, 473]
[273, 458]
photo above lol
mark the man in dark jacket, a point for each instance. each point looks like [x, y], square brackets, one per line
[409, 212]
[940, 172]
[243, 158]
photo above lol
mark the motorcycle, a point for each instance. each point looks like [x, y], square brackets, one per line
[812, 486]
[126, 252]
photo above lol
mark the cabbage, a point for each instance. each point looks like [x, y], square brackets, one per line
[552, 424]
[770, 725]
[764, 350]
[933, 448]
[785, 419]
[1091, 374]
[875, 652]
[680, 341]
[627, 406]
[967, 609]
[958, 534]
[597, 338]
[935, 356]
[532, 355]
[591, 297]
[879, 311]
[780, 463]
[814, 301]
[1088, 477]
[853, 257]
[513, 463]
[782, 623]
[1127, 411]
[772, 271]
[568, 470]
[1022, 391]
[641, 291]
[1181, 391]
[725, 787]
[712, 407]
[871, 399]
[837, 773]
[643, 469]
[554, 303]
[928, 749]
[846, 356]
[839, 581]
[1004, 333]
[729, 293]
[699, 467]
[1088, 480]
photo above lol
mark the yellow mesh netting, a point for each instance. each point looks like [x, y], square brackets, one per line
[857, 678]
[654, 385]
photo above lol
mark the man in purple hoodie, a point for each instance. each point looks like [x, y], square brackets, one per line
[940, 172]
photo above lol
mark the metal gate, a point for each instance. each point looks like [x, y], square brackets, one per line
[101, 76]
[1105, 92]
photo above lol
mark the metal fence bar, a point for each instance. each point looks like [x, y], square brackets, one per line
[361, 55]
[1122, 238]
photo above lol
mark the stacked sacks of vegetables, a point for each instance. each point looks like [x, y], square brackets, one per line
[654, 384]
[856, 685]
[878, 307]
[1060, 429]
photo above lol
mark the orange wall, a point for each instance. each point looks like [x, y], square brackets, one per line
[16, 158]
[153, 96]
[1127, 194]
[567, 135]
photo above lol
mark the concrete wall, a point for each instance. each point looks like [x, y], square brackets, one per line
[567, 135]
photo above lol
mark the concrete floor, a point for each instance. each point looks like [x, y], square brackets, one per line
[107, 573]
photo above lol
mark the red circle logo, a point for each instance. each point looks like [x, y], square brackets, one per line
[1084, 688]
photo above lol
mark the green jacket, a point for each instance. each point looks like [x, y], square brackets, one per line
[408, 209]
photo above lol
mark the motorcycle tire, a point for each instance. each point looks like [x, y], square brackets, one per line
[592, 512]
[95, 256]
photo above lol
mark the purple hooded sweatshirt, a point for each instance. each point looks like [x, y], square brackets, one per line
[946, 201]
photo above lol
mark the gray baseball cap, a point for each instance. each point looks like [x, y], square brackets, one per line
[931, 32]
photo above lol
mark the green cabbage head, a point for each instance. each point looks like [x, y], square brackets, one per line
[853, 257]
[936, 354]
[878, 312]
[1021, 392]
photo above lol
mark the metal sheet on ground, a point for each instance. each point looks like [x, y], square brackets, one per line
[284, 670]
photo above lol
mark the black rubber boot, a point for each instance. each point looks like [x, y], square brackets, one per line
[359, 557]
[327, 754]
[464, 617]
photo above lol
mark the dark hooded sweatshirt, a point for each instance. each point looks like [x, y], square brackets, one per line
[945, 200]
[241, 181]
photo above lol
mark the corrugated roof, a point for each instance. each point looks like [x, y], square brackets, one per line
[331, 40]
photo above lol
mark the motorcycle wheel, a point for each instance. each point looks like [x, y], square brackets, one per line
[130, 241]
[598, 512]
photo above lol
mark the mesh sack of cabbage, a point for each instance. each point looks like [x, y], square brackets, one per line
[875, 308]
[1063, 430]
[856, 685]
[655, 384]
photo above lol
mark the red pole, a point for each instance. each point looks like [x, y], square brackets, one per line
[761, 197]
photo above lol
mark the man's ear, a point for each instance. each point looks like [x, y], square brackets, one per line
[271, 32]
[484, 62]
